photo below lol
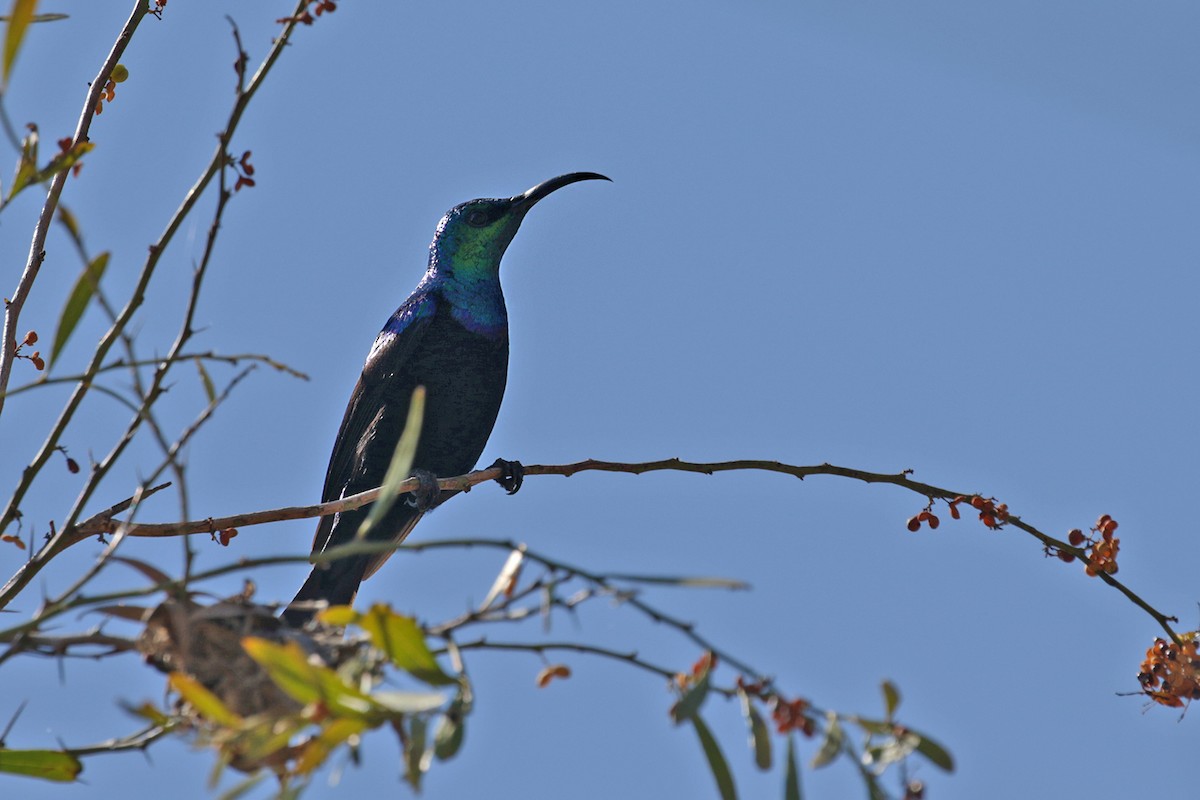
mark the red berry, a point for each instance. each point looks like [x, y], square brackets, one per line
[1075, 537]
[933, 522]
[914, 524]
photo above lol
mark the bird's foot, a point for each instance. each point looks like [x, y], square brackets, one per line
[425, 496]
[512, 474]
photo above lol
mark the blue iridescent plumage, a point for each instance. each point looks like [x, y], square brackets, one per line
[450, 336]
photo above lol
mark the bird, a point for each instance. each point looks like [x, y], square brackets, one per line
[450, 336]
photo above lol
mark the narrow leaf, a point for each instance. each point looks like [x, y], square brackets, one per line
[401, 467]
[684, 581]
[81, 295]
[831, 746]
[693, 698]
[243, 787]
[937, 754]
[68, 220]
[210, 391]
[51, 765]
[891, 698]
[449, 736]
[205, 702]
[507, 577]
[791, 781]
[716, 760]
[414, 752]
[333, 733]
[289, 667]
[760, 736]
[401, 638]
[399, 703]
[19, 18]
[156, 575]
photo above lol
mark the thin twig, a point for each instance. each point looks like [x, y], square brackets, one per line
[122, 363]
[12, 312]
[465, 482]
[216, 166]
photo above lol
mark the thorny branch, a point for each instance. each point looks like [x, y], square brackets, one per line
[100, 524]
[12, 311]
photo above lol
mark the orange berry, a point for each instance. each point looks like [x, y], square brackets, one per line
[31, 337]
[977, 501]
[954, 511]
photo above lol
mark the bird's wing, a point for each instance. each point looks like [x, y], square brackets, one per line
[379, 400]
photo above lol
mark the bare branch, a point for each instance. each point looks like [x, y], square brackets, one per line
[12, 312]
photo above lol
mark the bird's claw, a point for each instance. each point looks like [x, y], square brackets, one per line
[512, 474]
[425, 496]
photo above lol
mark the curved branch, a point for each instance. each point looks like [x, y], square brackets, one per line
[465, 482]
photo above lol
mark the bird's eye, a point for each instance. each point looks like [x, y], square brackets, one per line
[477, 218]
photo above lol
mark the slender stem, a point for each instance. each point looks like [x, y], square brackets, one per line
[100, 524]
[37, 254]
[215, 166]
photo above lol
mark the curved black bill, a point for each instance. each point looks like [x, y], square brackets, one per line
[554, 184]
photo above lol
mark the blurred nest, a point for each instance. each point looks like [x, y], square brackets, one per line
[205, 642]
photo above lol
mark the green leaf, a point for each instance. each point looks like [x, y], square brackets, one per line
[205, 702]
[938, 755]
[398, 703]
[693, 697]
[81, 295]
[716, 760]
[27, 164]
[68, 220]
[401, 467]
[28, 174]
[414, 753]
[449, 736]
[289, 667]
[50, 765]
[317, 749]
[210, 391]
[401, 638]
[19, 18]
[791, 781]
[831, 746]
[891, 698]
[243, 787]
[760, 736]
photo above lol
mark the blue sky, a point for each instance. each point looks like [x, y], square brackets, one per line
[957, 238]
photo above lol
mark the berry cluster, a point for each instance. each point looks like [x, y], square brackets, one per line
[244, 170]
[308, 17]
[790, 717]
[1169, 675]
[1100, 546]
[119, 74]
[927, 517]
[36, 359]
[991, 513]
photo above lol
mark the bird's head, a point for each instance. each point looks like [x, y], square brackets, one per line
[474, 235]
